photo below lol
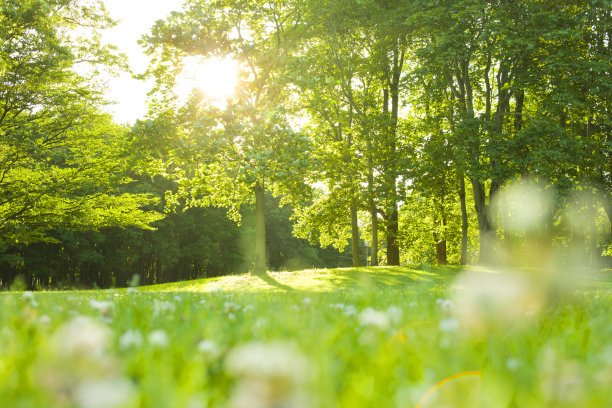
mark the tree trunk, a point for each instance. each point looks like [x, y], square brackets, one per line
[393, 253]
[464, 221]
[608, 209]
[440, 251]
[259, 267]
[374, 215]
[354, 233]
[486, 232]
[373, 209]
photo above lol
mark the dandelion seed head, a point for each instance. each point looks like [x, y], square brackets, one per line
[209, 348]
[103, 306]
[44, 320]
[449, 324]
[129, 339]
[106, 393]
[349, 310]
[158, 338]
[269, 360]
[395, 314]
[162, 306]
[374, 318]
[82, 336]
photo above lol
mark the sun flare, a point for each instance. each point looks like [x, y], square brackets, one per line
[216, 78]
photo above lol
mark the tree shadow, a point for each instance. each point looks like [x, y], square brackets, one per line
[274, 283]
[386, 277]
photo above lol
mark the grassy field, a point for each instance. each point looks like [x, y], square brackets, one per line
[369, 337]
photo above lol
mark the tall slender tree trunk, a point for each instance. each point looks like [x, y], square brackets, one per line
[374, 248]
[608, 209]
[464, 220]
[259, 267]
[354, 233]
[373, 209]
[392, 95]
[393, 252]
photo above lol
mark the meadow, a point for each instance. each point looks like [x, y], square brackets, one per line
[367, 337]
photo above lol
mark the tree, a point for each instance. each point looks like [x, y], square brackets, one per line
[231, 156]
[62, 162]
[519, 101]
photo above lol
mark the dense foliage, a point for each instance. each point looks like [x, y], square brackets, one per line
[420, 116]
[426, 132]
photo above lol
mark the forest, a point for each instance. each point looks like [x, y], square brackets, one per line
[368, 132]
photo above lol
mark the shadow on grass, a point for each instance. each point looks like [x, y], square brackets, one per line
[386, 277]
[274, 283]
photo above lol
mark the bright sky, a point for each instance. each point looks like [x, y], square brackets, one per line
[137, 17]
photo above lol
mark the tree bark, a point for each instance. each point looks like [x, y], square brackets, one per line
[373, 209]
[374, 248]
[393, 252]
[354, 233]
[259, 268]
[440, 251]
[464, 220]
[487, 233]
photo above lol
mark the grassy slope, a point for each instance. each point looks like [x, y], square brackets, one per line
[316, 280]
[372, 337]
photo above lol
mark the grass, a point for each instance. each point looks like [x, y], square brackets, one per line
[368, 337]
[316, 280]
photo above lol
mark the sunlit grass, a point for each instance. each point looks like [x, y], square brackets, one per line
[369, 337]
[316, 280]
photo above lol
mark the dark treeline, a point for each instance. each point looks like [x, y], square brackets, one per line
[189, 244]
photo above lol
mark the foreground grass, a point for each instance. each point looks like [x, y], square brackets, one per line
[371, 337]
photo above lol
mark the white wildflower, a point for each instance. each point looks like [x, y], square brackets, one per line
[160, 307]
[269, 375]
[108, 393]
[82, 336]
[248, 308]
[307, 301]
[178, 299]
[449, 324]
[129, 339]
[268, 360]
[349, 311]
[230, 307]
[260, 323]
[374, 318]
[158, 338]
[231, 317]
[209, 348]
[132, 290]
[446, 305]
[28, 297]
[395, 313]
[44, 320]
[103, 306]
[294, 308]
